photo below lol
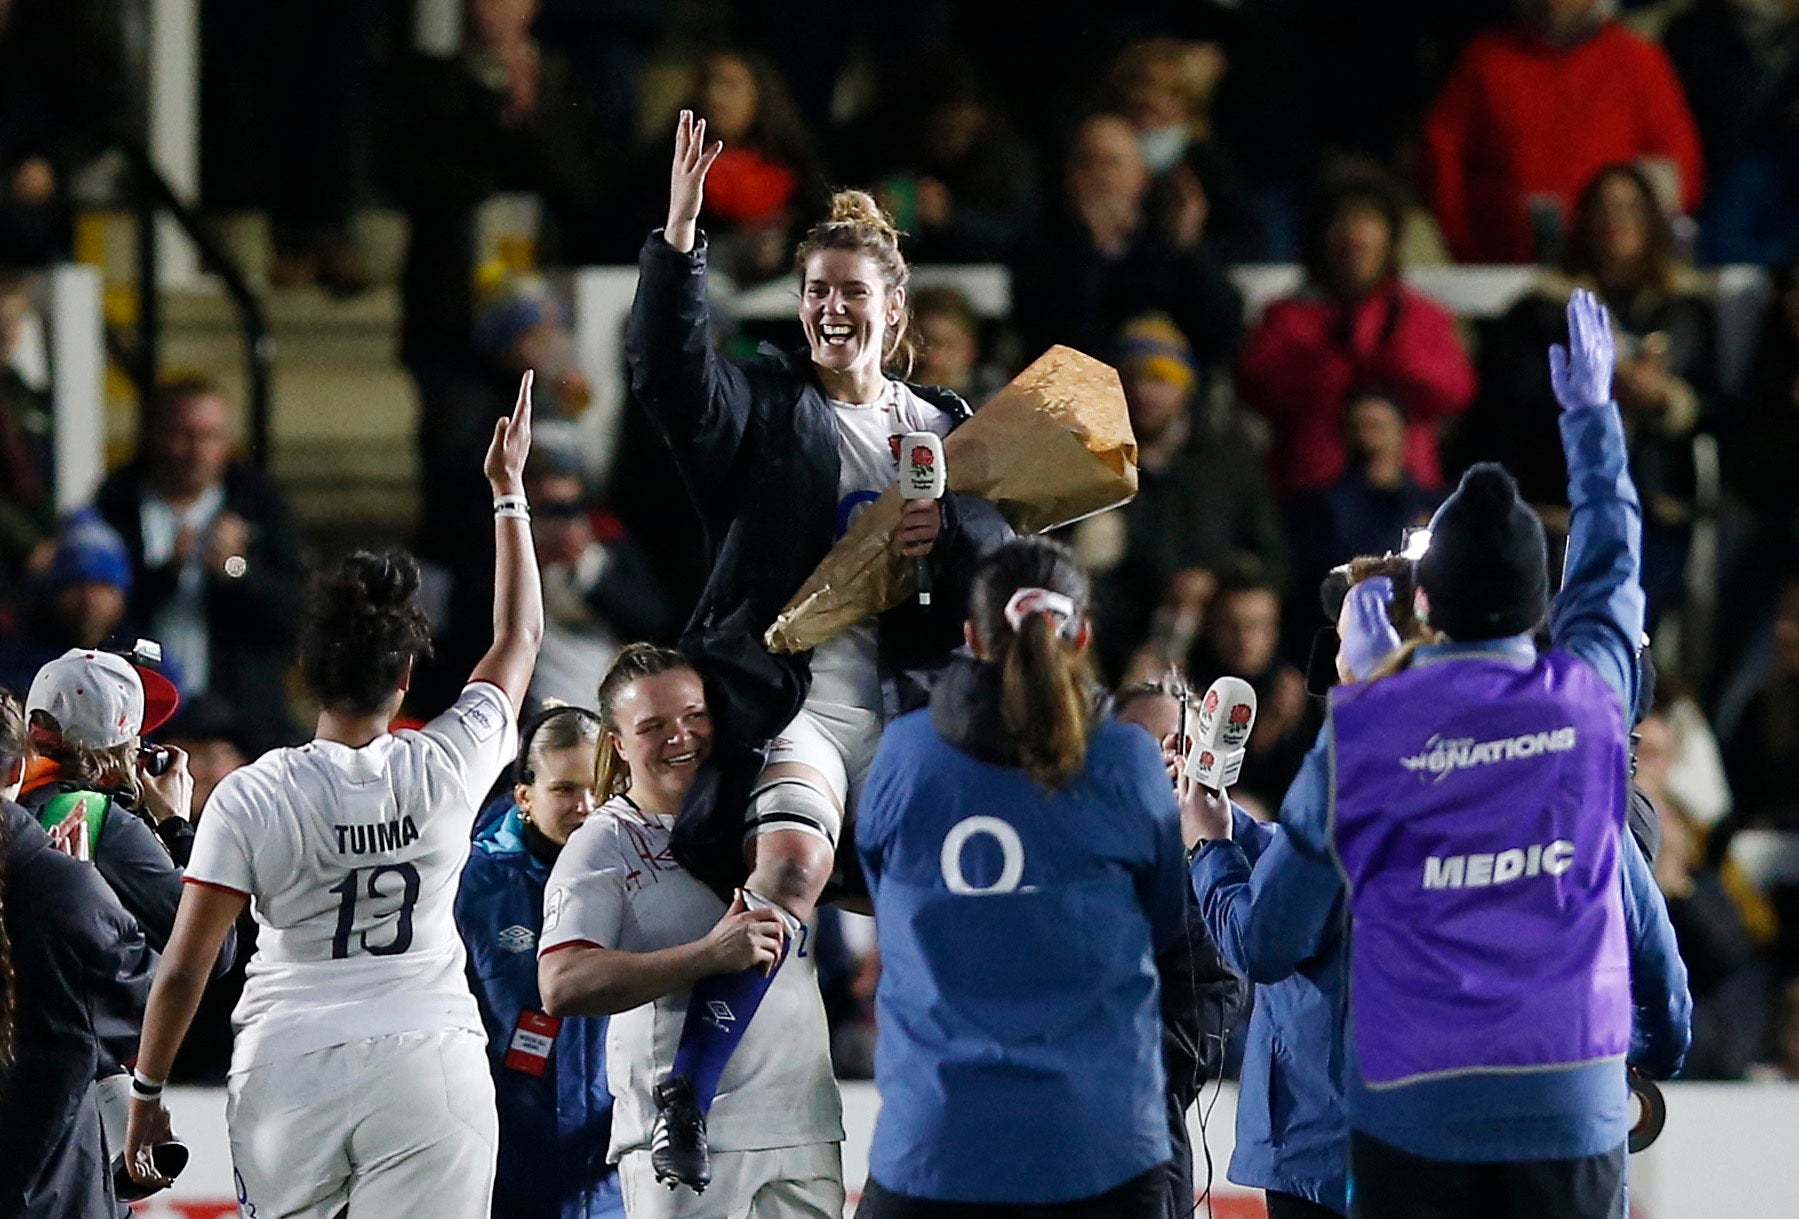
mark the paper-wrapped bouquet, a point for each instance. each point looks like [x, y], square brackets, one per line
[1052, 447]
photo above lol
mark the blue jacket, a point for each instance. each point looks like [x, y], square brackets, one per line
[554, 1128]
[1020, 1056]
[1294, 904]
[1292, 1129]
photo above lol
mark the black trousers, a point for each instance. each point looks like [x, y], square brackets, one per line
[1387, 1183]
[1292, 1206]
[1141, 1197]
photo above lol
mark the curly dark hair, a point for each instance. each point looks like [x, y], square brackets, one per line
[363, 630]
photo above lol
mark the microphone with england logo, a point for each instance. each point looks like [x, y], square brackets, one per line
[1226, 716]
[923, 475]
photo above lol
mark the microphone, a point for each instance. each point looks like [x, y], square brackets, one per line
[923, 475]
[1226, 716]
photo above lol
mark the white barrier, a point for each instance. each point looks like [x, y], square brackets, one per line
[1728, 1151]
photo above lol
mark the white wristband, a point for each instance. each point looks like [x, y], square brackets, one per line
[145, 1088]
[519, 511]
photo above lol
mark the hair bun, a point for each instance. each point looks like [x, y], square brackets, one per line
[859, 207]
[386, 581]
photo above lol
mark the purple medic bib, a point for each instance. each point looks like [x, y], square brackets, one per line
[1478, 814]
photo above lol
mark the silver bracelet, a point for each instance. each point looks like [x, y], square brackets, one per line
[145, 1088]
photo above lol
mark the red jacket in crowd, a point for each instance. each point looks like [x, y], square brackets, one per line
[1309, 352]
[1522, 117]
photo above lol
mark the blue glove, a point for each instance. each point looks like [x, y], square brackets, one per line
[1581, 372]
[1368, 635]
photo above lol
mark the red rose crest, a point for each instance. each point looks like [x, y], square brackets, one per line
[1211, 702]
[922, 456]
[1206, 758]
[1240, 714]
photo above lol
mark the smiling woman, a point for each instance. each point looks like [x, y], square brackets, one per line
[779, 453]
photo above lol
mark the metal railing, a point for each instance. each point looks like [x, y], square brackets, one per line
[152, 196]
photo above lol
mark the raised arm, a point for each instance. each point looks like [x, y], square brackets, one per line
[1598, 615]
[517, 590]
[697, 399]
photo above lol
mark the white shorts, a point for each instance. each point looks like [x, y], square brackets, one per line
[390, 1126]
[837, 741]
[785, 1183]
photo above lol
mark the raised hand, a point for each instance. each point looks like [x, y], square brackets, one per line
[687, 180]
[1581, 372]
[505, 461]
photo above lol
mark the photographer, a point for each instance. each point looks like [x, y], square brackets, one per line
[1467, 804]
[93, 781]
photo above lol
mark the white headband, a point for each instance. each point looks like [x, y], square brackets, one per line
[1058, 606]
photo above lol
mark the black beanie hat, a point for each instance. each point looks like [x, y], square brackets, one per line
[1486, 571]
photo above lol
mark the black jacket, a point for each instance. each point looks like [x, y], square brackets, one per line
[82, 972]
[253, 621]
[756, 443]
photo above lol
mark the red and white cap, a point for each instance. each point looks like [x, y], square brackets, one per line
[99, 699]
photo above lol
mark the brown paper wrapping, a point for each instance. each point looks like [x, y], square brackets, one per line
[1053, 446]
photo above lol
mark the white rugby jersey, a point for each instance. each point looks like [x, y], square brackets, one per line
[615, 885]
[868, 440]
[351, 859]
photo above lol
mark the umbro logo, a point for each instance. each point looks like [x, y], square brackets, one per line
[720, 1016]
[518, 938]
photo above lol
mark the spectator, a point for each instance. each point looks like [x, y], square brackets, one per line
[962, 183]
[1368, 508]
[27, 506]
[216, 564]
[1242, 638]
[523, 325]
[598, 590]
[1533, 111]
[284, 108]
[948, 335]
[1727, 980]
[1761, 755]
[767, 185]
[77, 973]
[1164, 88]
[1354, 324]
[1102, 262]
[1738, 61]
[62, 101]
[1622, 246]
[505, 114]
[1758, 445]
[78, 603]
[1202, 504]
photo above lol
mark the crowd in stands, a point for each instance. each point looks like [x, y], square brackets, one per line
[1119, 160]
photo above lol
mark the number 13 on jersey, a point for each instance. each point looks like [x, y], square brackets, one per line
[375, 885]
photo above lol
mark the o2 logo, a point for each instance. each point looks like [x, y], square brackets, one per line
[1011, 850]
[849, 507]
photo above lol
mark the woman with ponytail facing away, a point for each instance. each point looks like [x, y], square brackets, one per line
[1025, 863]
